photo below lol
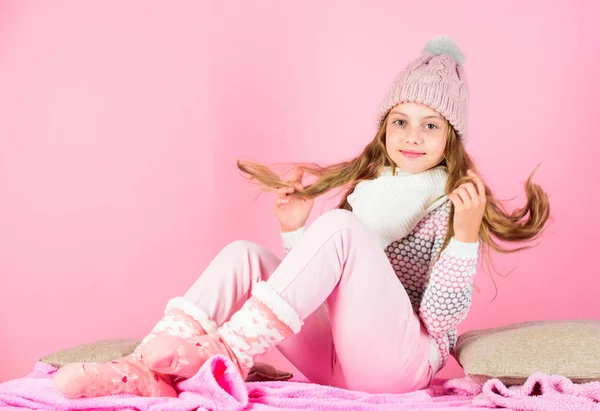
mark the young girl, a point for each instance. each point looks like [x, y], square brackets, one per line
[370, 295]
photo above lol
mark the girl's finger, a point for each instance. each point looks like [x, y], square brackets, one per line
[470, 187]
[462, 193]
[479, 183]
[481, 188]
[458, 204]
[285, 190]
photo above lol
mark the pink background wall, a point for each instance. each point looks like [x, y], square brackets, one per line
[119, 121]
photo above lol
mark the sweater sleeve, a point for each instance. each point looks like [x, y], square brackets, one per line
[448, 294]
[290, 239]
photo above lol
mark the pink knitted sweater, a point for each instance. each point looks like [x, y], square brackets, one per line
[440, 285]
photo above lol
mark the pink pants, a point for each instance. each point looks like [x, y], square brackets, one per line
[360, 331]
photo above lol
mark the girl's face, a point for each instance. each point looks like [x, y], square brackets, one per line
[415, 137]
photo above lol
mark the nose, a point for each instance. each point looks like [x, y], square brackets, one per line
[414, 137]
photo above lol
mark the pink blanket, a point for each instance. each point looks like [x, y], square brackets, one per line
[541, 392]
[217, 386]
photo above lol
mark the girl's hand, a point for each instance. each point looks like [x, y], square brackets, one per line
[292, 211]
[469, 202]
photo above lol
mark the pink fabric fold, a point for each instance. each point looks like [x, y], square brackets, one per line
[218, 386]
[540, 392]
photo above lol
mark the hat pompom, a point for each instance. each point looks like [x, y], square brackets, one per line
[445, 45]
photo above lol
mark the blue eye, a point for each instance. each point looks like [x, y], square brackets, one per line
[431, 128]
[396, 122]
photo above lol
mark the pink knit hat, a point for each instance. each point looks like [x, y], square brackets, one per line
[436, 79]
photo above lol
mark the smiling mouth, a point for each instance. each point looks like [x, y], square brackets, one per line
[412, 154]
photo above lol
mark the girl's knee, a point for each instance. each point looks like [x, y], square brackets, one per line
[339, 219]
[241, 247]
[243, 253]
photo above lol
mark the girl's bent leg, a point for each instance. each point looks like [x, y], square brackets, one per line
[226, 284]
[380, 344]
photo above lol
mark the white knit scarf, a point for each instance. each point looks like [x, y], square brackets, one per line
[392, 205]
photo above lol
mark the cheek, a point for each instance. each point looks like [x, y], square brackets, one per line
[437, 148]
[389, 138]
[392, 137]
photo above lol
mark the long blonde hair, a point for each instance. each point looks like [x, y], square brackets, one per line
[498, 225]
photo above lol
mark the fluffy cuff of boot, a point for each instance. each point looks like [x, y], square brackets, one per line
[281, 308]
[193, 311]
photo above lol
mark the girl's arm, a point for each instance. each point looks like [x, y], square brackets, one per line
[447, 296]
